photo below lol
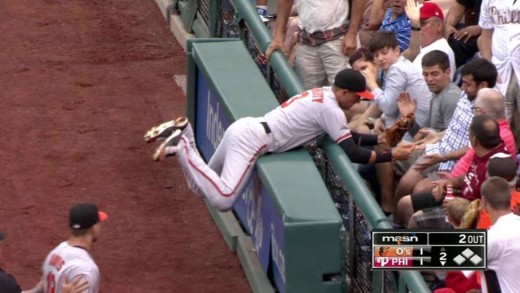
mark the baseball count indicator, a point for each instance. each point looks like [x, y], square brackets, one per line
[442, 249]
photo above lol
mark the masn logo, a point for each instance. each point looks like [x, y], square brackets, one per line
[400, 239]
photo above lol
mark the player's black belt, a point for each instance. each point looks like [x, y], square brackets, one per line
[266, 127]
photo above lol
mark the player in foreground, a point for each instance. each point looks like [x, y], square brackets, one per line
[71, 259]
[295, 122]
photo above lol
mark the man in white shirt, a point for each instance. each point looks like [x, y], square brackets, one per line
[427, 22]
[327, 36]
[503, 238]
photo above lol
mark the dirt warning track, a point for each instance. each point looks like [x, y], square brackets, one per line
[81, 81]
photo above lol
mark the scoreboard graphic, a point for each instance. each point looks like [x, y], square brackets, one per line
[452, 249]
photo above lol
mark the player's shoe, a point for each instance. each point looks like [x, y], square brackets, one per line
[263, 14]
[165, 129]
[168, 147]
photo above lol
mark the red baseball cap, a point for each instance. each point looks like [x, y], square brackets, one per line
[431, 9]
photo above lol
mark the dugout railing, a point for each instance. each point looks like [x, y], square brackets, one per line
[355, 203]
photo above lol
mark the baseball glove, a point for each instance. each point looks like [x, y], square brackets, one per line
[471, 216]
[394, 134]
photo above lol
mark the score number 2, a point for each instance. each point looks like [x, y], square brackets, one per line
[442, 257]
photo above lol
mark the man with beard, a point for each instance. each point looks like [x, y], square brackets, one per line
[71, 259]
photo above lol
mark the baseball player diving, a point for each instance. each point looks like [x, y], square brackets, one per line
[295, 122]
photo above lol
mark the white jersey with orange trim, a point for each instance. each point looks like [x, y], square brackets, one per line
[306, 116]
[300, 119]
[70, 262]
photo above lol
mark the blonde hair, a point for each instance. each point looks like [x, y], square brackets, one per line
[456, 209]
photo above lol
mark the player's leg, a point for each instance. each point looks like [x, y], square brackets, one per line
[410, 204]
[407, 183]
[246, 142]
[403, 212]
[425, 185]
[385, 176]
[412, 223]
[216, 162]
[243, 145]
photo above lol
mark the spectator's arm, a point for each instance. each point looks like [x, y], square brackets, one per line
[455, 14]
[376, 14]
[283, 13]
[457, 182]
[413, 13]
[356, 17]
[395, 84]
[484, 44]
[455, 155]
[415, 46]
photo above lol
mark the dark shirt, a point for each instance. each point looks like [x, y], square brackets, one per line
[8, 283]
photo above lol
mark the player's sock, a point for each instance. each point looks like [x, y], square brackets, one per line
[188, 133]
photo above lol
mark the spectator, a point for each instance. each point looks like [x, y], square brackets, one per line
[440, 147]
[503, 238]
[485, 139]
[462, 37]
[399, 76]
[455, 210]
[367, 29]
[436, 71]
[427, 23]
[494, 106]
[363, 59]
[394, 19]
[456, 281]
[504, 167]
[489, 102]
[499, 43]
[327, 36]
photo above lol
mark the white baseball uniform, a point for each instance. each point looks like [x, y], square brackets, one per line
[502, 17]
[71, 262]
[298, 120]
